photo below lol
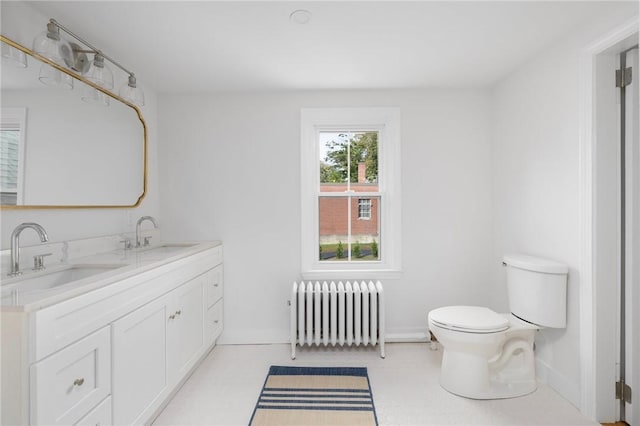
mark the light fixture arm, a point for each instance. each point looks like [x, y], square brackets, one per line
[86, 43]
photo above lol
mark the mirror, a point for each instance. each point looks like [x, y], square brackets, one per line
[58, 151]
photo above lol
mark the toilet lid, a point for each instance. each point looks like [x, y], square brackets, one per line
[470, 319]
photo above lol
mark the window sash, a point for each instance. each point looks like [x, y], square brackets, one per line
[348, 230]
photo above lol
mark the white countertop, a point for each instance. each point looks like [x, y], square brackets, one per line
[120, 264]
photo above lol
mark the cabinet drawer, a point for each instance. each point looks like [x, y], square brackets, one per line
[214, 285]
[71, 382]
[99, 416]
[214, 321]
[216, 256]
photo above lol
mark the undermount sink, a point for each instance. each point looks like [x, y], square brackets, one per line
[50, 279]
[167, 248]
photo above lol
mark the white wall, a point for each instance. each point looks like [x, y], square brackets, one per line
[230, 171]
[21, 22]
[536, 153]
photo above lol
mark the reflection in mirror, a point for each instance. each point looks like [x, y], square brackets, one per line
[58, 150]
[12, 124]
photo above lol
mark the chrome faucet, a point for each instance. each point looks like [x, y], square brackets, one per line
[138, 226]
[15, 244]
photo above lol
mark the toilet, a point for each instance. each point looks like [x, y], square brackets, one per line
[487, 355]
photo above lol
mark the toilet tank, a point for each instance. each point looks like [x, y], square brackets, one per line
[537, 289]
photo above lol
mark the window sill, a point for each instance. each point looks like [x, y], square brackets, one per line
[352, 274]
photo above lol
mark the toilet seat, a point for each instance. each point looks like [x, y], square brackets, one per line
[469, 319]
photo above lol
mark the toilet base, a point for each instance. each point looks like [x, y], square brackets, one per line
[497, 390]
[472, 376]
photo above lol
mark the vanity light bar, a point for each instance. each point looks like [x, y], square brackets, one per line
[48, 44]
[86, 43]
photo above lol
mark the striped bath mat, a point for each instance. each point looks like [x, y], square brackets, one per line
[315, 396]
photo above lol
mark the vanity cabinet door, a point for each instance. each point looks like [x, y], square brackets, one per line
[139, 361]
[71, 382]
[184, 328]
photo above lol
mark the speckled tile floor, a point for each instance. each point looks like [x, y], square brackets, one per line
[223, 390]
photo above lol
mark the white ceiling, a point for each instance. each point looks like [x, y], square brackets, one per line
[206, 46]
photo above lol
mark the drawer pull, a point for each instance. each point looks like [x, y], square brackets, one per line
[216, 285]
[178, 313]
[78, 382]
[216, 321]
[171, 317]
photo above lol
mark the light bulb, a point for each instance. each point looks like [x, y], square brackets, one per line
[131, 92]
[49, 45]
[101, 75]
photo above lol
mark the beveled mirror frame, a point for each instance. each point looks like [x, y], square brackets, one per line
[112, 95]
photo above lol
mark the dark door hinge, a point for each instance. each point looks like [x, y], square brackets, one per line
[623, 77]
[623, 392]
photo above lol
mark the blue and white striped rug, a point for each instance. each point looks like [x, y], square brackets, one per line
[315, 396]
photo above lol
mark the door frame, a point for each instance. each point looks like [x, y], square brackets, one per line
[597, 352]
[632, 230]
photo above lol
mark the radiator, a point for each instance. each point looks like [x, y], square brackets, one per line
[344, 314]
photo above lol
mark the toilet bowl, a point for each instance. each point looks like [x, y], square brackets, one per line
[486, 355]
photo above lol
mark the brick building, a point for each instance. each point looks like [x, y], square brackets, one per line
[334, 212]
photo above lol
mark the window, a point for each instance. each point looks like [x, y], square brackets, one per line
[12, 129]
[364, 208]
[350, 189]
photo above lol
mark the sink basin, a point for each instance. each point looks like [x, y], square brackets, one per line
[165, 249]
[50, 279]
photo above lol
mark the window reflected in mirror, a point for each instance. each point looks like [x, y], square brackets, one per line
[12, 125]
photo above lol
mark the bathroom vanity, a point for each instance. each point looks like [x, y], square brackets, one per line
[108, 338]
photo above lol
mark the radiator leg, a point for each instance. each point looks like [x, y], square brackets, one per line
[382, 349]
[293, 350]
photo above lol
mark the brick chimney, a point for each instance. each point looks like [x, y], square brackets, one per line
[362, 172]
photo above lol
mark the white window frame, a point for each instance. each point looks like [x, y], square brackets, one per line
[387, 122]
[16, 119]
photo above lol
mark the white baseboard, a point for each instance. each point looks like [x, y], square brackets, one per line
[254, 337]
[407, 337]
[558, 382]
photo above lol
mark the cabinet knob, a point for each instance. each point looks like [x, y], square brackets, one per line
[78, 382]
[216, 321]
[172, 316]
[178, 313]
[216, 285]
